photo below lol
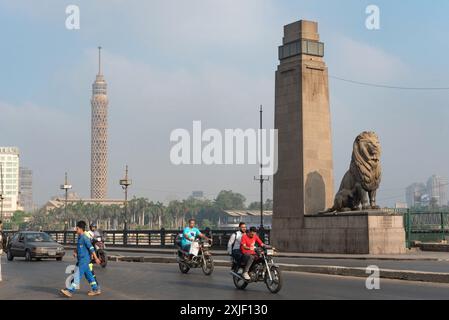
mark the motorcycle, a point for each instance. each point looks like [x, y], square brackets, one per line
[200, 259]
[263, 270]
[100, 251]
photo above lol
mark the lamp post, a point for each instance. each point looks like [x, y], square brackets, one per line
[66, 187]
[125, 183]
[261, 177]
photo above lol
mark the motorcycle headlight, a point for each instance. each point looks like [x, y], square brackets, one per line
[270, 252]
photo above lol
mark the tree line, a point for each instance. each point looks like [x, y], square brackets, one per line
[141, 214]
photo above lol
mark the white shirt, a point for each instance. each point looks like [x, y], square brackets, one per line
[234, 241]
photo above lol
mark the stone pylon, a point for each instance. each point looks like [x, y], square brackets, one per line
[303, 184]
[99, 136]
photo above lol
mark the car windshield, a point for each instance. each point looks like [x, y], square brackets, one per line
[38, 237]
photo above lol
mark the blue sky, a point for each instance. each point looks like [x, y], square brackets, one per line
[168, 63]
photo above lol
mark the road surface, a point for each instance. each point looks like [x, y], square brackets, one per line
[125, 280]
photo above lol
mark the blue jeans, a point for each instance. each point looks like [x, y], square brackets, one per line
[186, 247]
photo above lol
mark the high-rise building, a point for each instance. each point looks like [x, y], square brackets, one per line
[437, 189]
[414, 194]
[99, 136]
[9, 180]
[26, 189]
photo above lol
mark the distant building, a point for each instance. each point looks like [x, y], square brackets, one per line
[9, 180]
[400, 205]
[198, 195]
[414, 194]
[73, 198]
[437, 189]
[26, 189]
[230, 219]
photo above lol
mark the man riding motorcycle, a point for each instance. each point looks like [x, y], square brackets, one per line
[235, 241]
[247, 247]
[190, 234]
[94, 233]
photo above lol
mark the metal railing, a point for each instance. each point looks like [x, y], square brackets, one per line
[426, 226]
[144, 238]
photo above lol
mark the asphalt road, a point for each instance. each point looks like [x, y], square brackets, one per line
[124, 280]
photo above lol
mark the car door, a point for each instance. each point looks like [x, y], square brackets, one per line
[19, 250]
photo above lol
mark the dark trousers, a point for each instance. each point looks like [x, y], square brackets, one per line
[237, 255]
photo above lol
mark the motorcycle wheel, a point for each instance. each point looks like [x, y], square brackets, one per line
[208, 267]
[103, 258]
[239, 283]
[274, 285]
[184, 267]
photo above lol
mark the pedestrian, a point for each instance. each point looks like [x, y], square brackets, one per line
[84, 253]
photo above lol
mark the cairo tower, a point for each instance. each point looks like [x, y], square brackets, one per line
[99, 136]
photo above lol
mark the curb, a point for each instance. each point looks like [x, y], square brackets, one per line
[406, 275]
[278, 255]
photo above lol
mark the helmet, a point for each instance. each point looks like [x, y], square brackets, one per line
[93, 225]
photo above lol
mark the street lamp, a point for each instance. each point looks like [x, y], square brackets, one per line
[66, 187]
[125, 183]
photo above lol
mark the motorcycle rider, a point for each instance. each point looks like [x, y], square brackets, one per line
[189, 234]
[93, 232]
[234, 242]
[247, 247]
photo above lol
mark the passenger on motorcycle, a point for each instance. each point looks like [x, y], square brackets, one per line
[234, 243]
[190, 234]
[247, 246]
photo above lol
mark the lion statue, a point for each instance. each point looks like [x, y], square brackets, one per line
[362, 178]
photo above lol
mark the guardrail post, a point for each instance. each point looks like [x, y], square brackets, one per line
[162, 237]
[408, 229]
[442, 227]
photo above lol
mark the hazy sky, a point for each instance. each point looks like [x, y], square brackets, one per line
[168, 63]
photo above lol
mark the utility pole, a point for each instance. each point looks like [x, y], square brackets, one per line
[261, 178]
[125, 183]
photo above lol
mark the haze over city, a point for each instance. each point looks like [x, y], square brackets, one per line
[166, 71]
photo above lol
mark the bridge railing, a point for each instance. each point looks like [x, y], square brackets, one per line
[426, 226]
[144, 238]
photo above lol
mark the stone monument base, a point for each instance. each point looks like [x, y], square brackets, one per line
[360, 232]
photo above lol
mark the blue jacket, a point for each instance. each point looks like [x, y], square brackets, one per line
[84, 249]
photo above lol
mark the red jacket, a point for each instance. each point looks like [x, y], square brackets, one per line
[249, 242]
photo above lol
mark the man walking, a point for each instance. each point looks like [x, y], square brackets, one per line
[84, 253]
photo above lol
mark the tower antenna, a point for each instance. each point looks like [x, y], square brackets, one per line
[99, 60]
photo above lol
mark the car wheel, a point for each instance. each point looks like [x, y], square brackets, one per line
[28, 255]
[59, 259]
[9, 256]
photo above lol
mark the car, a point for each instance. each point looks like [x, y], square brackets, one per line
[34, 245]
